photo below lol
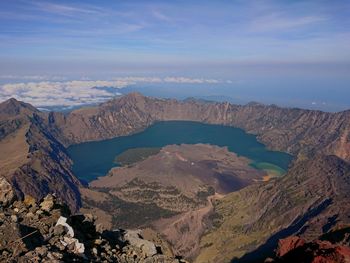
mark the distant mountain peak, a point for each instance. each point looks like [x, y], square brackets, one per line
[132, 96]
[254, 104]
[198, 100]
[135, 95]
[130, 99]
[12, 102]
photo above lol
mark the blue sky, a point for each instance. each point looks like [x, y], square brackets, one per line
[269, 44]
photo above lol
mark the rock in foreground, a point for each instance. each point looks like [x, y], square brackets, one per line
[7, 195]
[47, 232]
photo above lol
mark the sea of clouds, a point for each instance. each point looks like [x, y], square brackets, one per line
[47, 93]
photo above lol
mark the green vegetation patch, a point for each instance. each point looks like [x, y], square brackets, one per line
[202, 195]
[128, 214]
[269, 168]
[135, 155]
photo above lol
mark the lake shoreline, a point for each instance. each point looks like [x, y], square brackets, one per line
[94, 159]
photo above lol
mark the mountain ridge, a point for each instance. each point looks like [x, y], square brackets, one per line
[296, 131]
[32, 159]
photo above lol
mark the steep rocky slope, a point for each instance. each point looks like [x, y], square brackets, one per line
[47, 232]
[313, 197]
[31, 158]
[296, 131]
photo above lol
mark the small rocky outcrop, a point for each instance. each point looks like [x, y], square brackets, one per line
[295, 249]
[289, 244]
[135, 239]
[48, 232]
[7, 195]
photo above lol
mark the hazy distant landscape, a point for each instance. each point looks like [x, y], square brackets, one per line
[293, 54]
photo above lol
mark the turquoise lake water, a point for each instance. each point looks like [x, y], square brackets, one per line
[95, 159]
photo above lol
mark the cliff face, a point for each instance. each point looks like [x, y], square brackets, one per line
[312, 198]
[299, 132]
[31, 158]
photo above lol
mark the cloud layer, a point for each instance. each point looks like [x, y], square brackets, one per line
[79, 92]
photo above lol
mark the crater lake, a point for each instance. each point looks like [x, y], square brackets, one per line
[95, 159]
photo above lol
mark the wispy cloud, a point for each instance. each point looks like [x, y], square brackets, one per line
[68, 10]
[161, 16]
[191, 80]
[32, 77]
[280, 21]
[135, 33]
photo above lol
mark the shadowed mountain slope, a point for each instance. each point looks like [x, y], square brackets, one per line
[313, 197]
[31, 158]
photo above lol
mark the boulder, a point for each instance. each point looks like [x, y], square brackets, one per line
[60, 230]
[134, 238]
[63, 222]
[78, 248]
[7, 195]
[48, 203]
[29, 201]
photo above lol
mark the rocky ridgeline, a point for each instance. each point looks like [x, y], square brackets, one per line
[47, 232]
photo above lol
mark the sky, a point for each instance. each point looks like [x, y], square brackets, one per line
[292, 53]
